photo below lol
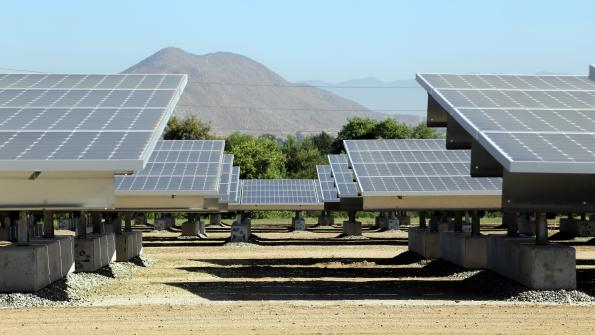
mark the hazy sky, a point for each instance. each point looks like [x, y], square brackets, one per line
[327, 40]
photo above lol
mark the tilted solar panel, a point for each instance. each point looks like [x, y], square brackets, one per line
[279, 192]
[326, 183]
[225, 178]
[188, 167]
[540, 124]
[394, 169]
[343, 176]
[83, 122]
[234, 189]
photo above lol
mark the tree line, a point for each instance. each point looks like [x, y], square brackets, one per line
[269, 157]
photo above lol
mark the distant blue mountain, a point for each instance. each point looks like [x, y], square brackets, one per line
[403, 97]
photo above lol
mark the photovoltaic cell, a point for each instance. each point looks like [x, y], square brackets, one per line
[188, 167]
[225, 178]
[528, 123]
[234, 189]
[279, 192]
[326, 183]
[83, 122]
[343, 176]
[395, 168]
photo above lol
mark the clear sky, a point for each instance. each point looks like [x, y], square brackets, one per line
[301, 40]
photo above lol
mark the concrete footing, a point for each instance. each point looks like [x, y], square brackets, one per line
[464, 249]
[388, 223]
[31, 268]
[325, 220]
[163, 223]
[129, 244]
[578, 228]
[352, 228]
[424, 242]
[191, 228]
[215, 220]
[540, 267]
[94, 252]
[404, 220]
[241, 230]
[298, 224]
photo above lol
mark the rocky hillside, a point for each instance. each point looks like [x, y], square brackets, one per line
[236, 93]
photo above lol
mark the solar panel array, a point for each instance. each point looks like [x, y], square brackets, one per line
[279, 192]
[190, 167]
[225, 178]
[326, 183]
[528, 123]
[234, 189]
[409, 167]
[343, 175]
[78, 122]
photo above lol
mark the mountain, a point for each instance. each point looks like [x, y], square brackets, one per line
[404, 99]
[236, 93]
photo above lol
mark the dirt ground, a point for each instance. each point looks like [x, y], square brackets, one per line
[302, 283]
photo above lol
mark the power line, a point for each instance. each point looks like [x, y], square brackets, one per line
[297, 109]
[21, 70]
[301, 85]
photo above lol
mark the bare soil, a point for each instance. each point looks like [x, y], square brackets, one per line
[303, 283]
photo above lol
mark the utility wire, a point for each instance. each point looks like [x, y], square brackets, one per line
[21, 70]
[303, 108]
[301, 85]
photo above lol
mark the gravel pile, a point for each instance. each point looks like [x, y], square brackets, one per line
[555, 296]
[71, 290]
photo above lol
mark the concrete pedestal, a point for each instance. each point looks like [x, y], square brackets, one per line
[191, 228]
[540, 267]
[424, 242]
[388, 223]
[404, 220]
[464, 250]
[129, 244]
[202, 229]
[298, 224]
[579, 228]
[326, 220]
[215, 220]
[31, 268]
[241, 231]
[94, 252]
[352, 228]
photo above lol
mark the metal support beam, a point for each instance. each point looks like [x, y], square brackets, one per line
[48, 224]
[541, 233]
[118, 223]
[475, 229]
[510, 220]
[434, 221]
[351, 215]
[23, 228]
[422, 220]
[80, 220]
[127, 222]
[458, 222]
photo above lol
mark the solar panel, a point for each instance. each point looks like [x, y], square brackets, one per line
[279, 192]
[234, 189]
[326, 183]
[225, 178]
[343, 176]
[83, 122]
[189, 167]
[528, 123]
[394, 168]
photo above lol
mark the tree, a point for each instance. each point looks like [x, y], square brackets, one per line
[422, 131]
[236, 139]
[301, 157]
[189, 128]
[390, 128]
[323, 142]
[356, 128]
[259, 158]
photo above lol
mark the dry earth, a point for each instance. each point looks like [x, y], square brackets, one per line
[310, 283]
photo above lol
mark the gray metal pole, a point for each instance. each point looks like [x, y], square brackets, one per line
[48, 224]
[23, 228]
[509, 219]
[81, 224]
[422, 220]
[541, 233]
[475, 229]
[458, 222]
[127, 222]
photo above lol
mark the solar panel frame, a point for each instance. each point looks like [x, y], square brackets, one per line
[280, 192]
[234, 193]
[37, 109]
[191, 167]
[566, 98]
